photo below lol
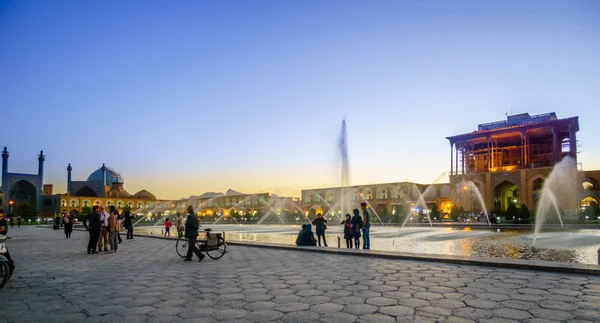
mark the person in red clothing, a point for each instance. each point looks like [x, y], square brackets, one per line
[168, 225]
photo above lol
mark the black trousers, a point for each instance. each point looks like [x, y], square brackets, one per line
[324, 241]
[94, 234]
[192, 248]
[130, 232]
[357, 243]
[349, 243]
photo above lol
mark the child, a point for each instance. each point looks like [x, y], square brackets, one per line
[168, 225]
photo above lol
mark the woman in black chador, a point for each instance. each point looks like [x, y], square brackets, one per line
[319, 222]
[348, 231]
[128, 224]
[357, 224]
[68, 223]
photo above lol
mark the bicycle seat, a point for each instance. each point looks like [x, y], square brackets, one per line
[207, 230]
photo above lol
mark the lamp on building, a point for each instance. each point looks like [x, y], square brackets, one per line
[11, 203]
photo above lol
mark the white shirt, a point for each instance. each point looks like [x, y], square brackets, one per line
[104, 218]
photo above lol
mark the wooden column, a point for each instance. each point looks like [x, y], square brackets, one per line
[572, 143]
[489, 155]
[523, 149]
[554, 145]
[451, 159]
[456, 150]
[462, 149]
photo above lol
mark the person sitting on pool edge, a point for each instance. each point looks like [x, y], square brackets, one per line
[299, 240]
[308, 238]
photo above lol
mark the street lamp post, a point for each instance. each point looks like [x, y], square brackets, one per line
[11, 203]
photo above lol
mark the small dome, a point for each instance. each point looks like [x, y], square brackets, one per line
[144, 195]
[111, 176]
[122, 193]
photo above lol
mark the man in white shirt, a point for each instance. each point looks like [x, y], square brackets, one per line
[103, 229]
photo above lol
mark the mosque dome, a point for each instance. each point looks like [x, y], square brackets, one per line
[111, 176]
[144, 195]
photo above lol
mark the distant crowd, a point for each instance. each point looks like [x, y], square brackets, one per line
[353, 226]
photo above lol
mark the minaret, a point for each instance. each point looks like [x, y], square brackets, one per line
[5, 177]
[69, 169]
[40, 189]
[104, 180]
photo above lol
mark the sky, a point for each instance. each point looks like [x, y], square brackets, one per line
[184, 97]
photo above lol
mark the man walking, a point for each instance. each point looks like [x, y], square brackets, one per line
[93, 218]
[104, 229]
[366, 226]
[191, 232]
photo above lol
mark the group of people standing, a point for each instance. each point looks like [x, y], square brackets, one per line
[104, 228]
[12, 221]
[353, 226]
[179, 226]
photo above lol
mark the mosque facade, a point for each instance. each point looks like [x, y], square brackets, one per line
[104, 186]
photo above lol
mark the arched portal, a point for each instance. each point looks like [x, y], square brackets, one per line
[86, 191]
[23, 192]
[505, 194]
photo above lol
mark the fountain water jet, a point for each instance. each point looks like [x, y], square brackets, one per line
[559, 192]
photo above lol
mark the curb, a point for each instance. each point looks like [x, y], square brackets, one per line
[540, 265]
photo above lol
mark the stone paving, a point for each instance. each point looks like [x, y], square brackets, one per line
[56, 281]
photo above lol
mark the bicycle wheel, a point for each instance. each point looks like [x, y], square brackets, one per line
[181, 246]
[4, 272]
[219, 251]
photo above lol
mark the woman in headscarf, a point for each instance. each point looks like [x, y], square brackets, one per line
[357, 224]
[68, 223]
[128, 224]
[320, 223]
[348, 231]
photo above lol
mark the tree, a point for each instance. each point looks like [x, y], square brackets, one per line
[454, 213]
[435, 214]
[512, 213]
[383, 213]
[26, 211]
[84, 212]
[524, 212]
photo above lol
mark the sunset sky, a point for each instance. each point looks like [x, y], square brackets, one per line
[183, 97]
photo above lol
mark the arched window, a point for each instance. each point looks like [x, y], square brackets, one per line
[395, 193]
[227, 202]
[381, 193]
[120, 204]
[63, 202]
[74, 202]
[110, 203]
[87, 203]
[307, 197]
[329, 196]
[97, 202]
[355, 196]
[367, 194]
[538, 184]
[130, 204]
[140, 205]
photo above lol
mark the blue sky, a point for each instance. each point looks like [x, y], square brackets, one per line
[183, 97]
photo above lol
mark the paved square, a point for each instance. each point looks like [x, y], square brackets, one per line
[56, 281]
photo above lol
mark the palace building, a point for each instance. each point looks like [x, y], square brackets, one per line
[383, 198]
[508, 160]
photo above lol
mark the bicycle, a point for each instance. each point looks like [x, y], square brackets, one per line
[213, 245]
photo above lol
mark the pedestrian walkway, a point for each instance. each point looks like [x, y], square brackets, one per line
[56, 281]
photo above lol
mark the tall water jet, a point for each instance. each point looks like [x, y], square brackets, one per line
[343, 147]
[558, 193]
